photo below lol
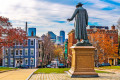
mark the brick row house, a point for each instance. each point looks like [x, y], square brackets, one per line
[104, 30]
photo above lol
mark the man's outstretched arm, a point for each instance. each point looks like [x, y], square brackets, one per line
[75, 12]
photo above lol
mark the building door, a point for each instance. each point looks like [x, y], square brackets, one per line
[110, 61]
[18, 63]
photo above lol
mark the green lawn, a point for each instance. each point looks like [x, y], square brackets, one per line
[97, 71]
[58, 70]
[6, 68]
[51, 70]
[109, 67]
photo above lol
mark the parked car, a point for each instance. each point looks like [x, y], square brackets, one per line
[48, 66]
[61, 65]
[23, 67]
[118, 65]
[105, 64]
[99, 65]
[43, 66]
[53, 66]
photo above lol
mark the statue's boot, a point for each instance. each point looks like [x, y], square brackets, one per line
[86, 41]
[79, 43]
[83, 43]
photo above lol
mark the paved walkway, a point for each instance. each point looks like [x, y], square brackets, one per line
[20, 74]
[103, 76]
[110, 70]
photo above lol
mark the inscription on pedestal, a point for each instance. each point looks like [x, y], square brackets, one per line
[82, 62]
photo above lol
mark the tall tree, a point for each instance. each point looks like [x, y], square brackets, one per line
[48, 48]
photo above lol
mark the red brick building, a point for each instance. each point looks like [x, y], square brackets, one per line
[113, 33]
[71, 42]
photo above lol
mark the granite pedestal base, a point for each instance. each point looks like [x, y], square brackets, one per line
[82, 62]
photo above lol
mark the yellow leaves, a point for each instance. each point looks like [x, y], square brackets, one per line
[58, 51]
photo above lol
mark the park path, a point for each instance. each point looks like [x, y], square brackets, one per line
[64, 76]
[110, 70]
[20, 74]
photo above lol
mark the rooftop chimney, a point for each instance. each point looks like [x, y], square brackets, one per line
[113, 27]
[26, 27]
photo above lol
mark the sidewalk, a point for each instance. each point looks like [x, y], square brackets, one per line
[110, 70]
[20, 74]
[64, 76]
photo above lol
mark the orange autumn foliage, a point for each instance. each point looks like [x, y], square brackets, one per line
[105, 46]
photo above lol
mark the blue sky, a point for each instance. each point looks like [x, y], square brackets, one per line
[51, 15]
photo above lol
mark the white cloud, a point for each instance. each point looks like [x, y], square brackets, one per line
[118, 1]
[41, 14]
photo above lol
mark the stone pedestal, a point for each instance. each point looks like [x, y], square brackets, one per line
[82, 62]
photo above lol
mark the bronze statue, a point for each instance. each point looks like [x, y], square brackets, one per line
[81, 22]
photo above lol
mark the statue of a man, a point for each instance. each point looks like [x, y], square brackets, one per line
[81, 22]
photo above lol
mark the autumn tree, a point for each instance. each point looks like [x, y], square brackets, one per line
[104, 45]
[9, 35]
[48, 48]
[59, 52]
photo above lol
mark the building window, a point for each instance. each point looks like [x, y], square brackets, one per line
[32, 52]
[32, 61]
[26, 61]
[6, 61]
[39, 54]
[111, 37]
[32, 42]
[16, 43]
[20, 43]
[12, 52]
[11, 61]
[17, 52]
[26, 42]
[39, 45]
[26, 52]
[21, 52]
[6, 52]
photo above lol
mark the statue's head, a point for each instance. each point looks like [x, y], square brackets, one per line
[79, 4]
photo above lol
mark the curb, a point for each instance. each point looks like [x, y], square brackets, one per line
[31, 75]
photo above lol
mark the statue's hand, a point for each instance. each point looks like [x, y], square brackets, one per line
[69, 20]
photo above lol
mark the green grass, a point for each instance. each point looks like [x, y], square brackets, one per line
[58, 70]
[97, 71]
[51, 70]
[109, 67]
[6, 68]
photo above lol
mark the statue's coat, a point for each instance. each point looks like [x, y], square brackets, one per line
[81, 22]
